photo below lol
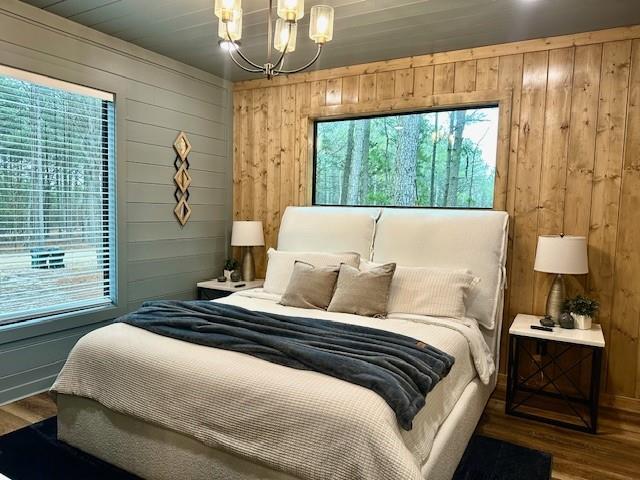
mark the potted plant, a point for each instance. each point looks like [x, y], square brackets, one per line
[582, 309]
[229, 266]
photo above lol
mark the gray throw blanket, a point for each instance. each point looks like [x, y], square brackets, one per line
[401, 369]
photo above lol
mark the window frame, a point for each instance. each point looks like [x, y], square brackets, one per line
[433, 109]
[442, 101]
[90, 78]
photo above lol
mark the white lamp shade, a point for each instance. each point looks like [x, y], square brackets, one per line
[562, 254]
[247, 234]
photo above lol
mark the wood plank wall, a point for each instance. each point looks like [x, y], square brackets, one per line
[574, 159]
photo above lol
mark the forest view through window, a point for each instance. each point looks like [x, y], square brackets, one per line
[443, 158]
[57, 201]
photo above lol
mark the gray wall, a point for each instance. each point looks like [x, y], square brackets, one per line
[156, 97]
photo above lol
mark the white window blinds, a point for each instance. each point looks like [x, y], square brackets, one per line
[57, 197]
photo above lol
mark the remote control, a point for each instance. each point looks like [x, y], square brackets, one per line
[545, 329]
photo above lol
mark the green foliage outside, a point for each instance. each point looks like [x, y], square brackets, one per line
[443, 159]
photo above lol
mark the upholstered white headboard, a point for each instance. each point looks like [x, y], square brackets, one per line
[328, 229]
[471, 239]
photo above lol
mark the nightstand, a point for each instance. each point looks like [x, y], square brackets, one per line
[548, 371]
[212, 289]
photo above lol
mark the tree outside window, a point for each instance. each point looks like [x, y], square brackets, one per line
[436, 159]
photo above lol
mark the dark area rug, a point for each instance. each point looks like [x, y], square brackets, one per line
[489, 459]
[34, 453]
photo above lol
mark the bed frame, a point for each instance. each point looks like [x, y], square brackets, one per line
[153, 452]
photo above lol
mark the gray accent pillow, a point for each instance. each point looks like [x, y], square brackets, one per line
[310, 287]
[363, 293]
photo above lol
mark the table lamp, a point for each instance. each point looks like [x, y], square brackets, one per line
[247, 234]
[561, 255]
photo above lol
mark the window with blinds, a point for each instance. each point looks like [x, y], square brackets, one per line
[57, 197]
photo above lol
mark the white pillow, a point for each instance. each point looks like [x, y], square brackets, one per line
[280, 265]
[429, 291]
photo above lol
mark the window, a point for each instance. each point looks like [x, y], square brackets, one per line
[57, 200]
[443, 158]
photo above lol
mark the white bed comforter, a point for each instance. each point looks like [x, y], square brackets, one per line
[304, 423]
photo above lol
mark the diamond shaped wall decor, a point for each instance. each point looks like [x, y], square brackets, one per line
[182, 179]
[182, 146]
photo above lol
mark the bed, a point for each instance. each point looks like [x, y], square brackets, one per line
[187, 411]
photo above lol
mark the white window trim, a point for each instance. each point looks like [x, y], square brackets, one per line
[54, 83]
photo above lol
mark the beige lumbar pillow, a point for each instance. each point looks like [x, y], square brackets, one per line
[310, 287]
[431, 291]
[363, 293]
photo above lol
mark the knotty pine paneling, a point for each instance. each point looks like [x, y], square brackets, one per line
[571, 161]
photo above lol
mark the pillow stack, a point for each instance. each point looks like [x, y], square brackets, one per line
[341, 282]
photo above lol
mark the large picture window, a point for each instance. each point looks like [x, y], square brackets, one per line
[57, 200]
[444, 158]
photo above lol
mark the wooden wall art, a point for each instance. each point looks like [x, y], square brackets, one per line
[182, 146]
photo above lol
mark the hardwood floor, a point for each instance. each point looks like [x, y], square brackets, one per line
[613, 454]
[25, 412]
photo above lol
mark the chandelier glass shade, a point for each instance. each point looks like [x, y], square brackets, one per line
[283, 40]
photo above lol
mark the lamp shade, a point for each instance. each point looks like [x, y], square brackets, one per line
[321, 25]
[231, 28]
[284, 30]
[564, 254]
[247, 234]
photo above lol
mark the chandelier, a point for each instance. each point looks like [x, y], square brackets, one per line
[229, 13]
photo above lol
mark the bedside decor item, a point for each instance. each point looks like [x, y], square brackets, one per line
[547, 321]
[222, 279]
[582, 310]
[182, 179]
[247, 234]
[561, 255]
[236, 276]
[566, 321]
[230, 265]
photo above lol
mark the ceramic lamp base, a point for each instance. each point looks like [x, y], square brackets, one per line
[556, 298]
[248, 266]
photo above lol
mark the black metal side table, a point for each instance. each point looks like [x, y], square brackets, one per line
[544, 365]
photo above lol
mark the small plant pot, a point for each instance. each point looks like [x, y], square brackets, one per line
[227, 274]
[582, 322]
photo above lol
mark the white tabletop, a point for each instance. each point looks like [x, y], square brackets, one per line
[522, 327]
[231, 286]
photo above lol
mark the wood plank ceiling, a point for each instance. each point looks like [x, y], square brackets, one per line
[365, 30]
